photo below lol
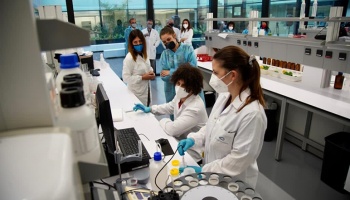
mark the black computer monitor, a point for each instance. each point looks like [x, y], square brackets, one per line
[104, 117]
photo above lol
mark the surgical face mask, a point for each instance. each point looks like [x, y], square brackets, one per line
[171, 24]
[138, 48]
[170, 45]
[133, 25]
[230, 27]
[180, 92]
[185, 26]
[218, 85]
[149, 26]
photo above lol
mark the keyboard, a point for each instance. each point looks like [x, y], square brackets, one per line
[128, 142]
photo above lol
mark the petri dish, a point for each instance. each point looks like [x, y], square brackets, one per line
[233, 187]
[245, 197]
[203, 182]
[178, 183]
[184, 187]
[213, 180]
[227, 178]
[193, 182]
[249, 191]
[188, 178]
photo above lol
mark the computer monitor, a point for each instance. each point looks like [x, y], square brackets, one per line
[104, 117]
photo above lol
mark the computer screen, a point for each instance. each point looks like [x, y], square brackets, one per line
[104, 117]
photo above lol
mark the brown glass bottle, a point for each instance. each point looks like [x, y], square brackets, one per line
[339, 80]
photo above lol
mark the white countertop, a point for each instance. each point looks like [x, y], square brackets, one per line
[144, 123]
[328, 99]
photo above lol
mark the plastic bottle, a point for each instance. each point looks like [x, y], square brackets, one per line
[155, 166]
[314, 9]
[339, 80]
[70, 65]
[81, 120]
[302, 10]
[255, 32]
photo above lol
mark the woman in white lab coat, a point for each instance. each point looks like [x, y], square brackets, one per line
[186, 32]
[137, 70]
[234, 133]
[187, 107]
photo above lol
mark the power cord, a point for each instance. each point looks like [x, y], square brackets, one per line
[104, 183]
[155, 179]
[144, 136]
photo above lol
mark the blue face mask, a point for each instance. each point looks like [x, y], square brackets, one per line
[138, 48]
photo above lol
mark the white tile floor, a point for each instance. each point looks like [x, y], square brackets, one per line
[296, 176]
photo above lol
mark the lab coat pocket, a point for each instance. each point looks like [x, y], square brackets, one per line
[224, 138]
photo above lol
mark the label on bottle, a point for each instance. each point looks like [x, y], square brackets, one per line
[85, 140]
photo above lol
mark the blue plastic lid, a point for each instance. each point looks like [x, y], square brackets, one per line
[69, 61]
[157, 156]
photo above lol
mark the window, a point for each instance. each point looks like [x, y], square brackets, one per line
[238, 8]
[286, 8]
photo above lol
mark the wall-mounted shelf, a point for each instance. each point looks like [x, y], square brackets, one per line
[285, 19]
[54, 34]
[304, 51]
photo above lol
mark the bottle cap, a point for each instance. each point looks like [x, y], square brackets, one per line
[340, 73]
[175, 163]
[72, 76]
[72, 83]
[157, 156]
[69, 61]
[174, 172]
[72, 97]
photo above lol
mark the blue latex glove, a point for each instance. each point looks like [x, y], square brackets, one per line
[197, 169]
[184, 145]
[139, 106]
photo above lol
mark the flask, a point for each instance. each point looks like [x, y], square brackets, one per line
[339, 80]
[155, 166]
[81, 120]
[314, 9]
[70, 65]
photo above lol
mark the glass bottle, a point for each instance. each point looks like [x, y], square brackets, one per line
[339, 80]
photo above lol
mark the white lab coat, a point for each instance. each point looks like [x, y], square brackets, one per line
[187, 34]
[190, 117]
[132, 75]
[177, 32]
[152, 41]
[232, 140]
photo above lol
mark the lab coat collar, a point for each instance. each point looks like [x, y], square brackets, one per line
[188, 101]
[241, 99]
[237, 102]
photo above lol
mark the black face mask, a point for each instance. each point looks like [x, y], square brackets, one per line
[171, 24]
[170, 45]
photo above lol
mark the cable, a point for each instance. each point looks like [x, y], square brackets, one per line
[109, 187]
[108, 184]
[155, 179]
[145, 136]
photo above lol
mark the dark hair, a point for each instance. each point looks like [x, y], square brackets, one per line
[192, 77]
[267, 26]
[189, 25]
[167, 30]
[150, 20]
[131, 19]
[234, 58]
[231, 22]
[134, 34]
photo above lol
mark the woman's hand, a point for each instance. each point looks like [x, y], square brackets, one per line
[148, 76]
[164, 73]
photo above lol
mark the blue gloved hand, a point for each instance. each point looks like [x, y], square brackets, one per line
[139, 106]
[184, 145]
[197, 169]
